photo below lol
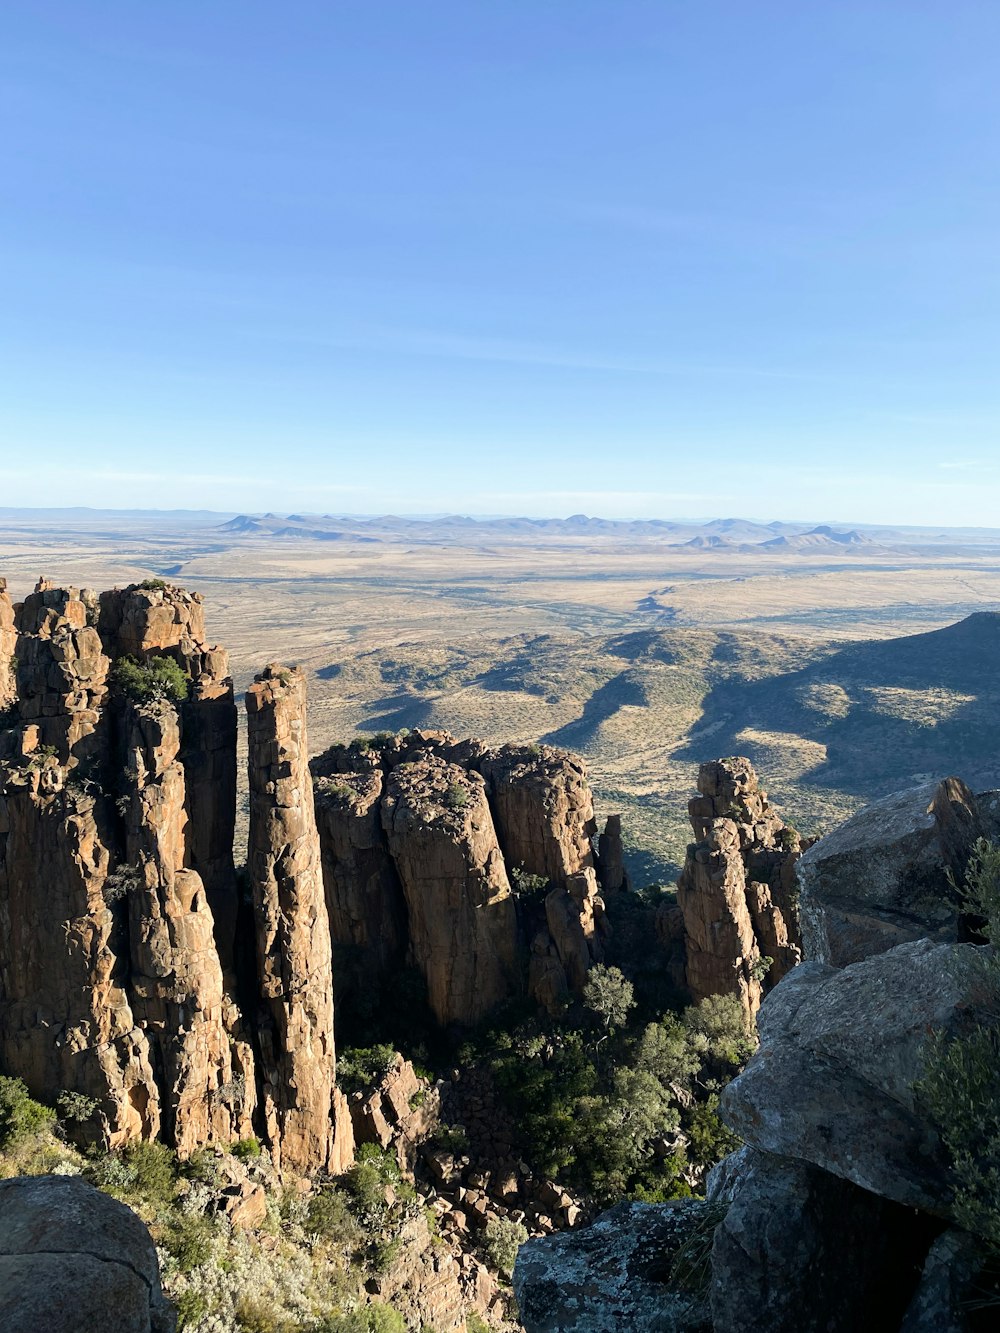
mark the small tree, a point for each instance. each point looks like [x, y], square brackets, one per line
[609, 995]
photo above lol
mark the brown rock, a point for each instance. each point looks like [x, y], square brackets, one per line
[8, 648]
[463, 929]
[176, 982]
[736, 889]
[611, 872]
[575, 918]
[364, 897]
[293, 939]
[400, 1112]
[543, 808]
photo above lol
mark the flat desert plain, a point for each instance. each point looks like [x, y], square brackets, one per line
[644, 653]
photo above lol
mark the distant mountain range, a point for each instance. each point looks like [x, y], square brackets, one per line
[726, 535]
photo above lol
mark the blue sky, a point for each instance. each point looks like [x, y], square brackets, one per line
[540, 256]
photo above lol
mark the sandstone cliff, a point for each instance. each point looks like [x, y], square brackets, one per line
[118, 904]
[475, 863]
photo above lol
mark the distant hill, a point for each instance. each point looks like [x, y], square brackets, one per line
[722, 535]
[828, 725]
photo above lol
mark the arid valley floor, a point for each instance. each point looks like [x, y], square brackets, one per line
[646, 651]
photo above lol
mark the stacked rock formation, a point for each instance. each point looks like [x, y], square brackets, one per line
[474, 863]
[839, 1214]
[8, 640]
[118, 903]
[737, 889]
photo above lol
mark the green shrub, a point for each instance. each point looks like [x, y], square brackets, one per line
[153, 585]
[456, 797]
[245, 1150]
[330, 1218]
[188, 1238]
[21, 1117]
[192, 1309]
[358, 1067]
[76, 1107]
[502, 1239]
[158, 677]
[154, 1170]
[526, 885]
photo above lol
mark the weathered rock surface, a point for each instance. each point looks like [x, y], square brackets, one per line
[399, 1112]
[306, 1122]
[881, 878]
[543, 808]
[74, 1260]
[611, 857]
[8, 647]
[462, 923]
[774, 1269]
[364, 896]
[207, 1072]
[533, 807]
[736, 890]
[947, 1286]
[832, 1082]
[612, 1275]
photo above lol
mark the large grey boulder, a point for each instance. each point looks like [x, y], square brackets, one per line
[73, 1260]
[881, 878]
[832, 1081]
[802, 1251]
[612, 1276]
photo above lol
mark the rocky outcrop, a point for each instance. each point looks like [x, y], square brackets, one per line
[74, 1260]
[886, 876]
[400, 1112]
[364, 896]
[611, 857]
[176, 981]
[838, 1091]
[737, 888]
[462, 924]
[8, 648]
[543, 808]
[773, 1266]
[307, 1123]
[414, 826]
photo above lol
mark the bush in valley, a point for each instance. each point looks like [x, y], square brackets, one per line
[159, 677]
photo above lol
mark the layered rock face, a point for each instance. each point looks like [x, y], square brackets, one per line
[736, 890]
[442, 839]
[307, 1121]
[8, 646]
[118, 906]
[474, 863]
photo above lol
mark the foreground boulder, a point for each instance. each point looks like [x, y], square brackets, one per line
[775, 1271]
[884, 877]
[833, 1081]
[73, 1260]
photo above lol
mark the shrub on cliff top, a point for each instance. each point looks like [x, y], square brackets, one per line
[158, 677]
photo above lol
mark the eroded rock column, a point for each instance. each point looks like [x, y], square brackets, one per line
[463, 927]
[308, 1127]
